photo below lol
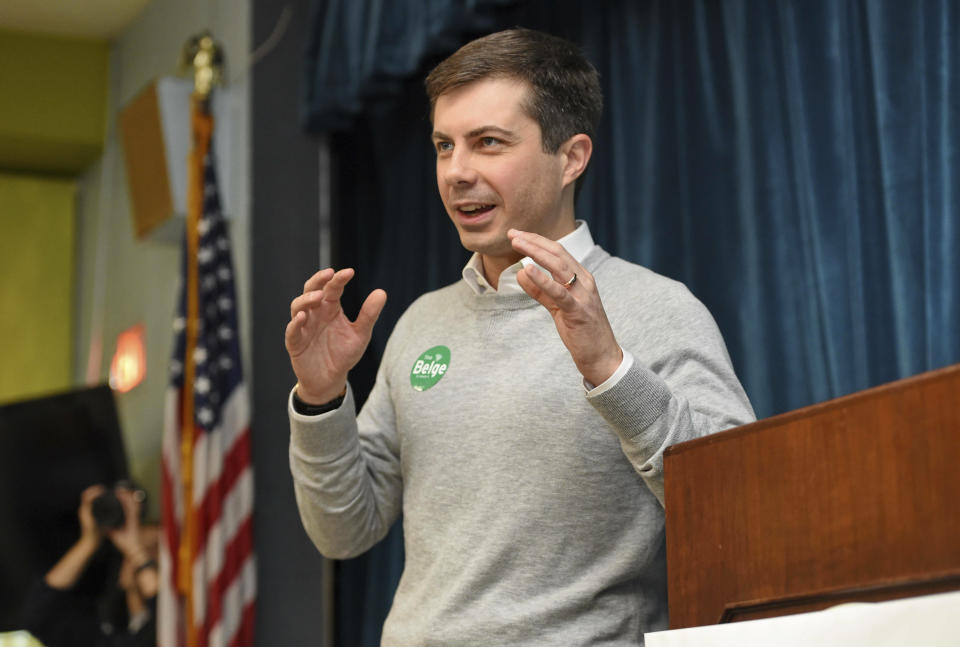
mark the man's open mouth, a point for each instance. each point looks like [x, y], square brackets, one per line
[475, 209]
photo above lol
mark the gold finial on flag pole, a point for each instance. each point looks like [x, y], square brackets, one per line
[202, 56]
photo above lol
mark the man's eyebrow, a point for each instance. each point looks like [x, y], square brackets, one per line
[477, 131]
[490, 129]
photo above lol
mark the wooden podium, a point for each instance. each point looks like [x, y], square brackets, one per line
[856, 498]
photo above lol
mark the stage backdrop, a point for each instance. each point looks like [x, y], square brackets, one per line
[793, 162]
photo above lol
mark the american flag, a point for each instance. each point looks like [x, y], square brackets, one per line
[207, 569]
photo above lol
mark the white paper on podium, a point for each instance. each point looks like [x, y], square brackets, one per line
[927, 621]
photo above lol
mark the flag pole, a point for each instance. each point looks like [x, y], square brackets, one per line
[204, 56]
[207, 557]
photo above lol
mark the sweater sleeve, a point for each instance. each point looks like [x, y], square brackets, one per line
[346, 473]
[681, 386]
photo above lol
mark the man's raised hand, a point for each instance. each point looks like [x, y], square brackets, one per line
[570, 295]
[322, 342]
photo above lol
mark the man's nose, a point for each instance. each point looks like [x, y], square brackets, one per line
[459, 169]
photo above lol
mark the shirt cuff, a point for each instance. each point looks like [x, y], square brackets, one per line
[625, 365]
[294, 413]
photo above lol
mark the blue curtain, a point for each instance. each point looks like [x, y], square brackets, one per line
[793, 162]
[360, 50]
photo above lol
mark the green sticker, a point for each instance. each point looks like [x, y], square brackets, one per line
[429, 368]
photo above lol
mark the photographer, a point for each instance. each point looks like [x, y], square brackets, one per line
[69, 605]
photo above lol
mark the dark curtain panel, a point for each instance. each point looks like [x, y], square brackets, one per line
[792, 162]
[361, 50]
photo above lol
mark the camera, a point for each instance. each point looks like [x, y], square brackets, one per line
[108, 510]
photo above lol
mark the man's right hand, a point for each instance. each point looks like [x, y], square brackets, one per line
[323, 344]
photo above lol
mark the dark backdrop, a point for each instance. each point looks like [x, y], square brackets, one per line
[51, 449]
[793, 162]
[285, 232]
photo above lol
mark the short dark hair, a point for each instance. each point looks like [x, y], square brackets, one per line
[565, 96]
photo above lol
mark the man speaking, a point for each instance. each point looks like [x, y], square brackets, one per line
[519, 415]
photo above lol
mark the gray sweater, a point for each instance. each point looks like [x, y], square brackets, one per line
[532, 513]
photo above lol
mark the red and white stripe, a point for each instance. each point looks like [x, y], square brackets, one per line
[224, 570]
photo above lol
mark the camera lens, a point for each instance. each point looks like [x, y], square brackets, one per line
[108, 511]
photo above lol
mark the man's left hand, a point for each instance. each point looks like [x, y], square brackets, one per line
[575, 307]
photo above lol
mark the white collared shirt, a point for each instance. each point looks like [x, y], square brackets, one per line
[578, 244]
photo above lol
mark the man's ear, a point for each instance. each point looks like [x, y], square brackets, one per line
[576, 153]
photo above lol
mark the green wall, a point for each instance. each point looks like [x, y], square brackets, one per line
[53, 101]
[36, 285]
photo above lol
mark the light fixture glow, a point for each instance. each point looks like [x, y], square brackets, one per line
[129, 365]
